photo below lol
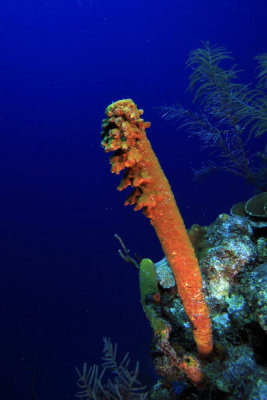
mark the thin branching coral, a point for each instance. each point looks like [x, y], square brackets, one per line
[124, 384]
[227, 114]
[262, 70]
[253, 110]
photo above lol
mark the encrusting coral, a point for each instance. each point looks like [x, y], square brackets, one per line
[124, 134]
[255, 209]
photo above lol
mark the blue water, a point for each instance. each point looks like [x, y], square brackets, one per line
[63, 286]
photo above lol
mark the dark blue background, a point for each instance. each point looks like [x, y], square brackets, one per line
[63, 286]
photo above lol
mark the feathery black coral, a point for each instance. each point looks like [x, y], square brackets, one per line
[227, 114]
[123, 385]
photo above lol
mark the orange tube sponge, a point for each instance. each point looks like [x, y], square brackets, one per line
[124, 134]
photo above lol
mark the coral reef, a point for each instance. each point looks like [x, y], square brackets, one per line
[235, 280]
[124, 134]
[230, 277]
[232, 253]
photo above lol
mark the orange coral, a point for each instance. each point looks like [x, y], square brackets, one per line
[124, 133]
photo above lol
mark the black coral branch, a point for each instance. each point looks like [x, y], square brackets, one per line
[227, 114]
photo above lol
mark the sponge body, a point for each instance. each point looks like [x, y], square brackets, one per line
[124, 134]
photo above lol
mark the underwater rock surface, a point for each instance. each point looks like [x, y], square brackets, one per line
[233, 261]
